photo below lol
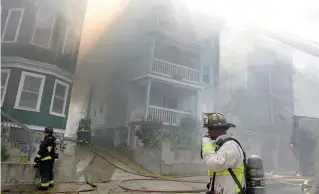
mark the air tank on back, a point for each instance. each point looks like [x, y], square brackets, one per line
[255, 175]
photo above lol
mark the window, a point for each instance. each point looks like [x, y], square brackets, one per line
[5, 74]
[12, 25]
[165, 19]
[282, 111]
[43, 28]
[260, 106]
[281, 81]
[59, 98]
[206, 74]
[258, 79]
[30, 91]
[169, 102]
[69, 42]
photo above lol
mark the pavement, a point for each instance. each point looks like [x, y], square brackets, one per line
[78, 164]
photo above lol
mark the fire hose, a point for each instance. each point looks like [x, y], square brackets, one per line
[287, 180]
[155, 177]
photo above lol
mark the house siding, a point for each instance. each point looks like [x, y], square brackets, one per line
[67, 15]
[42, 118]
[24, 47]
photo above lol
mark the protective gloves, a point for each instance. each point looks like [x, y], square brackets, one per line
[207, 144]
[37, 160]
[206, 140]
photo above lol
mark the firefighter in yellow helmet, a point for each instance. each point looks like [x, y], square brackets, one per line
[220, 157]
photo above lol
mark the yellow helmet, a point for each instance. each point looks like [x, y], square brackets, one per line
[216, 120]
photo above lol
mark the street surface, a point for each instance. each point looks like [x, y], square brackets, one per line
[75, 166]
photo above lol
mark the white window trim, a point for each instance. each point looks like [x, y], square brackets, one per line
[64, 43]
[65, 98]
[18, 28]
[23, 74]
[50, 39]
[8, 71]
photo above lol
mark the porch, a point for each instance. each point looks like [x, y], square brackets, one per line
[165, 115]
[175, 71]
[176, 63]
[153, 100]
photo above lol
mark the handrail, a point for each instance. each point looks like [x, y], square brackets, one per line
[177, 65]
[24, 127]
[14, 121]
[171, 110]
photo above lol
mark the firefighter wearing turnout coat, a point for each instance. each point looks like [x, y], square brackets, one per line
[45, 159]
[84, 131]
[219, 159]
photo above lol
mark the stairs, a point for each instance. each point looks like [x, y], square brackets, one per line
[17, 138]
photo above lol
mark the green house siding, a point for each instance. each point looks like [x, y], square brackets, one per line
[42, 118]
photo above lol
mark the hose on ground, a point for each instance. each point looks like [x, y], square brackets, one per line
[152, 177]
[141, 173]
[156, 191]
[87, 181]
[286, 181]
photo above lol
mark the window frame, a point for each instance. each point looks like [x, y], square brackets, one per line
[274, 68]
[20, 88]
[67, 86]
[65, 44]
[3, 95]
[247, 80]
[21, 10]
[51, 33]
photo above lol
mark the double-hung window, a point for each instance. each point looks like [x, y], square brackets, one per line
[258, 79]
[30, 91]
[69, 42]
[43, 28]
[59, 98]
[5, 74]
[12, 25]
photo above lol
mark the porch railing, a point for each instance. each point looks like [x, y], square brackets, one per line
[166, 115]
[19, 133]
[175, 71]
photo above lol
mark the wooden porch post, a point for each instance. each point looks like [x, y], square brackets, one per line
[128, 135]
[198, 108]
[147, 101]
[151, 56]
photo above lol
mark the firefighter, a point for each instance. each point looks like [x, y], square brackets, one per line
[84, 130]
[229, 156]
[306, 187]
[45, 159]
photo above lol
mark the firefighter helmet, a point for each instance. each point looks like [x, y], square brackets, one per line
[48, 130]
[217, 120]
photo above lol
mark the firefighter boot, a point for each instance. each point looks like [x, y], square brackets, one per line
[42, 188]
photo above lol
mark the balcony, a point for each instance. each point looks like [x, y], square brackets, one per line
[165, 115]
[175, 71]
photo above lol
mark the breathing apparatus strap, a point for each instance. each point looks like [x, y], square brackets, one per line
[242, 190]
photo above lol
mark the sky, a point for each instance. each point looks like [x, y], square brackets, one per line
[298, 17]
